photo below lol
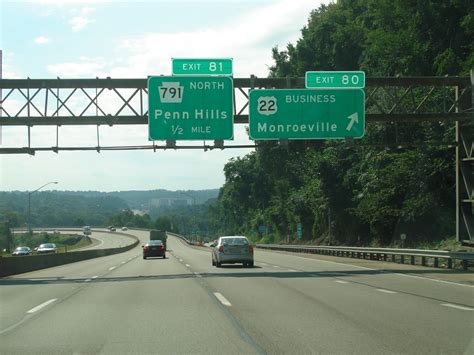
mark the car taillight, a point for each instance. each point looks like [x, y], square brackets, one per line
[162, 247]
[145, 248]
[221, 248]
[250, 248]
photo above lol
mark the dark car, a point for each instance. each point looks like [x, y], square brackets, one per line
[21, 251]
[47, 248]
[154, 248]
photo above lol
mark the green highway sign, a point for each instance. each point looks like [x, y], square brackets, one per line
[335, 79]
[201, 66]
[299, 231]
[190, 108]
[306, 114]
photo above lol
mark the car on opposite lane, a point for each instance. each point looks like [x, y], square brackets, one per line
[154, 248]
[47, 248]
[20, 251]
[232, 250]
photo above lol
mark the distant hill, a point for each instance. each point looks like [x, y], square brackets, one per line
[70, 208]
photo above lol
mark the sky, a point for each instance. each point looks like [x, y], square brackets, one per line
[132, 39]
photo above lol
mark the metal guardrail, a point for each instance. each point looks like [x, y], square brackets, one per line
[382, 254]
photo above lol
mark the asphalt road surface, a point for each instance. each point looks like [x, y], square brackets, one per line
[105, 240]
[287, 304]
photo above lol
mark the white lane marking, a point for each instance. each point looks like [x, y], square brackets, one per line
[222, 299]
[123, 262]
[37, 308]
[457, 307]
[181, 260]
[385, 272]
[263, 264]
[94, 277]
[385, 291]
[130, 259]
[341, 282]
[197, 274]
[291, 270]
[88, 280]
[187, 265]
[112, 268]
[276, 266]
[435, 280]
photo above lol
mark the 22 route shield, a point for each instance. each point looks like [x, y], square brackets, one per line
[190, 108]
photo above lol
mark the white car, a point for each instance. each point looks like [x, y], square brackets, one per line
[47, 248]
[231, 250]
[124, 228]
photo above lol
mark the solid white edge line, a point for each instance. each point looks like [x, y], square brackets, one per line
[386, 272]
[457, 307]
[42, 305]
[222, 299]
[384, 291]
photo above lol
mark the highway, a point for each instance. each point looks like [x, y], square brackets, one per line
[105, 240]
[287, 304]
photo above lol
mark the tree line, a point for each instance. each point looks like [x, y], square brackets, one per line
[371, 191]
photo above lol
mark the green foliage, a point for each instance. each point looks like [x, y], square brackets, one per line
[360, 193]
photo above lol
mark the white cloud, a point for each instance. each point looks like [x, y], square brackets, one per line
[42, 40]
[85, 67]
[79, 22]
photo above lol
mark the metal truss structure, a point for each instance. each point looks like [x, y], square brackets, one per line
[64, 102]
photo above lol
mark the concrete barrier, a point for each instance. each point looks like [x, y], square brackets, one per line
[21, 264]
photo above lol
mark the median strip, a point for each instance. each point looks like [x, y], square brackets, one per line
[42, 305]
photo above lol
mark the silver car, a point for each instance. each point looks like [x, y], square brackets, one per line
[231, 250]
[47, 248]
[21, 251]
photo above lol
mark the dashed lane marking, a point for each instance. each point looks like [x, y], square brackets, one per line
[457, 307]
[112, 268]
[341, 282]
[385, 291]
[222, 299]
[187, 265]
[42, 305]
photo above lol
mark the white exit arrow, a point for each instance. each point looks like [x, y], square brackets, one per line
[353, 118]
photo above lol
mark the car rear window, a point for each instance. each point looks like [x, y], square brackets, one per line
[235, 241]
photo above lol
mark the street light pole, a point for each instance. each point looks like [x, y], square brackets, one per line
[29, 202]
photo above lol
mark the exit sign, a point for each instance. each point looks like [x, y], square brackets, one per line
[335, 79]
[201, 66]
